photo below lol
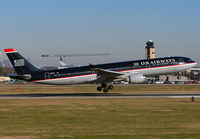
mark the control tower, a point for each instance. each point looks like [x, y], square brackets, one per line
[149, 50]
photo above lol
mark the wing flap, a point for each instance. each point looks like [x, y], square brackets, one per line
[105, 76]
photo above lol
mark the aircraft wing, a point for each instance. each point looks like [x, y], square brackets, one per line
[105, 76]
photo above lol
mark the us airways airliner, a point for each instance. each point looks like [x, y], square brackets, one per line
[102, 74]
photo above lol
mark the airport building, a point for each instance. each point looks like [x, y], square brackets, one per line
[150, 54]
[149, 50]
[194, 70]
[172, 78]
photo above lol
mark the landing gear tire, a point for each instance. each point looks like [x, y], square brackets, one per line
[105, 90]
[110, 87]
[99, 88]
[105, 87]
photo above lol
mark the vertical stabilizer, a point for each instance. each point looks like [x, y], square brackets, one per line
[20, 64]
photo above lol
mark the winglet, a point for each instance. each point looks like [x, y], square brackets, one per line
[9, 50]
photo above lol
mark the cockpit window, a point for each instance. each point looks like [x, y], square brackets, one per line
[187, 60]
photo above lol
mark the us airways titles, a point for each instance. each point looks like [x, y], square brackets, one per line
[163, 61]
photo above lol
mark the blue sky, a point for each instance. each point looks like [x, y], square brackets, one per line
[120, 27]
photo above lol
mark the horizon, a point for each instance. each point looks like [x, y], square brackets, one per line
[118, 27]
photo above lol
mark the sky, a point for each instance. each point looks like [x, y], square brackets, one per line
[119, 27]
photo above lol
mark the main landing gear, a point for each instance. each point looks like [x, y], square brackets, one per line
[105, 88]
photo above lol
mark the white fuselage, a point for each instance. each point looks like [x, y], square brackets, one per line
[146, 72]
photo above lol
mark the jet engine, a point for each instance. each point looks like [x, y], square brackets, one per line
[136, 78]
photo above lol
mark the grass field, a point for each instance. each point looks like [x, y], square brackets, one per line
[138, 118]
[135, 89]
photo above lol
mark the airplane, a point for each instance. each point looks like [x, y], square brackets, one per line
[62, 56]
[102, 74]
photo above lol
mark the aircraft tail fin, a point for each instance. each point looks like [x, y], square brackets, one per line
[20, 64]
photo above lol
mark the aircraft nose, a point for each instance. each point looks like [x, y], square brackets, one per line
[194, 64]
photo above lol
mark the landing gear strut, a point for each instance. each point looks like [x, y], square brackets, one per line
[105, 87]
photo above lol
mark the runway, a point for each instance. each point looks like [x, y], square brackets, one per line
[95, 95]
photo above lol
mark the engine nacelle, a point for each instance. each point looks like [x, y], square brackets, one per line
[136, 78]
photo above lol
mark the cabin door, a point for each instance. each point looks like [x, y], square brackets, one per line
[46, 75]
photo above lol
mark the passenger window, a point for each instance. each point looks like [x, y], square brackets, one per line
[181, 60]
